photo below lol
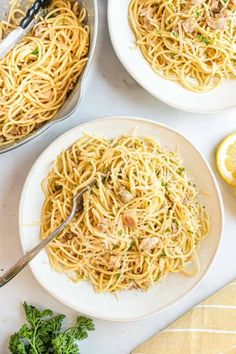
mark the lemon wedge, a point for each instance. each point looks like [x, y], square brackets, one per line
[226, 159]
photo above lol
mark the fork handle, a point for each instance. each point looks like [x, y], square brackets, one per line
[13, 271]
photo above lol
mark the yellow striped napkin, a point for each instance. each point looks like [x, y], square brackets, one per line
[209, 328]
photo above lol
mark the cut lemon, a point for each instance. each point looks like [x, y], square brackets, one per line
[226, 159]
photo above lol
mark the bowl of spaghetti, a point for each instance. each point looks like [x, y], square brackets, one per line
[149, 229]
[42, 77]
[182, 52]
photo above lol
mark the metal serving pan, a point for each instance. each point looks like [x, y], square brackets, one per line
[75, 96]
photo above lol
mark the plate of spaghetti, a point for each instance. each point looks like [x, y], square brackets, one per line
[182, 52]
[149, 229]
[42, 76]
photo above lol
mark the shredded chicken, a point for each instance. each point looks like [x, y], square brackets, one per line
[102, 225]
[197, 2]
[217, 23]
[114, 262]
[125, 195]
[46, 95]
[68, 236]
[215, 4]
[147, 12]
[14, 131]
[189, 25]
[147, 244]
[130, 219]
[147, 15]
[224, 13]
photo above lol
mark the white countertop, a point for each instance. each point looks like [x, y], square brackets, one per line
[109, 91]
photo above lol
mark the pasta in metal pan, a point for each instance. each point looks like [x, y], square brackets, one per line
[140, 222]
[39, 73]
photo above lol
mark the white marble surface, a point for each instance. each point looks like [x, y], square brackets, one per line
[109, 91]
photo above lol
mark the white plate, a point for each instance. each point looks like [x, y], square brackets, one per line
[172, 93]
[130, 305]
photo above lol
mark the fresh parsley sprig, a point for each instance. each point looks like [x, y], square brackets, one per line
[42, 334]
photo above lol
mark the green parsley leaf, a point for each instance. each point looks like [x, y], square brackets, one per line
[35, 52]
[175, 33]
[163, 253]
[42, 334]
[180, 170]
[203, 39]
[64, 343]
[119, 232]
[132, 243]
[197, 13]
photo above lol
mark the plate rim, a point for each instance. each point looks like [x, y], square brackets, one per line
[143, 83]
[138, 119]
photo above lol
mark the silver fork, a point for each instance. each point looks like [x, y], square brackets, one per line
[76, 206]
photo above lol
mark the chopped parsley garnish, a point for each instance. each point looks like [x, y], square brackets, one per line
[197, 14]
[163, 184]
[42, 334]
[175, 33]
[35, 52]
[132, 243]
[167, 230]
[180, 170]
[119, 232]
[203, 39]
[163, 253]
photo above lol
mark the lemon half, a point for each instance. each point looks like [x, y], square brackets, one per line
[226, 159]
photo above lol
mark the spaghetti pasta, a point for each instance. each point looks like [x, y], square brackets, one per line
[39, 73]
[138, 224]
[191, 42]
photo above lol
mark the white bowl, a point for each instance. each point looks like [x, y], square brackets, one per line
[218, 100]
[130, 305]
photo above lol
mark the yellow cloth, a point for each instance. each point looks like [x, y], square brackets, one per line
[209, 328]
